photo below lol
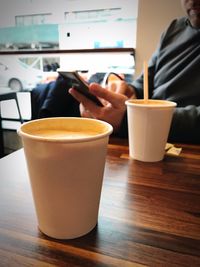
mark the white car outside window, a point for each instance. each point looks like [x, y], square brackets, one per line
[18, 76]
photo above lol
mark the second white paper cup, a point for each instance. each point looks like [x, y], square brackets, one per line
[148, 128]
[66, 173]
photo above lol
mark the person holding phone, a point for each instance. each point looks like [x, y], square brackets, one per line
[174, 74]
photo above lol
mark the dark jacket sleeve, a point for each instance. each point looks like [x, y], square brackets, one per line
[53, 100]
[185, 125]
[123, 131]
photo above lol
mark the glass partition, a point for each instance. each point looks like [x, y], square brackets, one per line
[23, 72]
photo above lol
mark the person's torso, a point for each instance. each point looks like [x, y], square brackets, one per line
[177, 70]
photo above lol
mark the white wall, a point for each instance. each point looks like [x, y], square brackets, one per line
[153, 17]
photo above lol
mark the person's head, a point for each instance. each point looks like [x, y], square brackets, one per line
[192, 8]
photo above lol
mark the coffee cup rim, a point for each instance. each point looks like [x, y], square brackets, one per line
[155, 103]
[108, 130]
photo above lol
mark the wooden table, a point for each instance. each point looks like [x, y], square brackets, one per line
[149, 215]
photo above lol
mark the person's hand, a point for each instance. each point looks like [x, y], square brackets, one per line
[121, 87]
[112, 98]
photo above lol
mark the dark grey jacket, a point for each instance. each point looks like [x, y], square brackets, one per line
[174, 74]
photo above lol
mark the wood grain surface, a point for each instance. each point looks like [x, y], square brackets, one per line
[149, 215]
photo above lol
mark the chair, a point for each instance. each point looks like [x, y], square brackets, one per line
[6, 97]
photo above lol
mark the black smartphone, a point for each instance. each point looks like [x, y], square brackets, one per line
[78, 83]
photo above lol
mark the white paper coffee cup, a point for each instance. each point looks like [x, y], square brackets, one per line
[66, 172]
[148, 128]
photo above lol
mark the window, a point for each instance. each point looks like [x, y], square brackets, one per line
[91, 15]
[67, 24]
[92, 36]
[26, 20]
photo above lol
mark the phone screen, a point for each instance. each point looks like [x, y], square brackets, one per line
[77, 82]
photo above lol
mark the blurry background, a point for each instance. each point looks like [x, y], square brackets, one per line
[93, 37]
[60, 25]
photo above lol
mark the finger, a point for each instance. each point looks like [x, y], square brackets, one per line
[121, 87]
[75, 94]
[80, 97]
[84, 112]
[111, 87]
[89, 105]
[113, 98]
